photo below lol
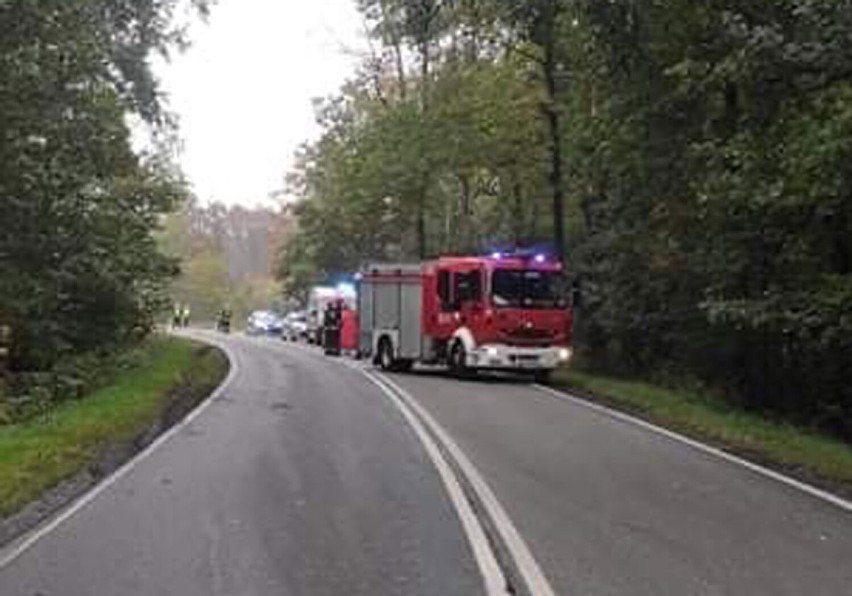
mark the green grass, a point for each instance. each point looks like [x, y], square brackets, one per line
[38, 454]
[812, 455]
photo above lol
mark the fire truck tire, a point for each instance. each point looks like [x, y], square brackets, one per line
[384, 357]
[386, 361]
[458, 359]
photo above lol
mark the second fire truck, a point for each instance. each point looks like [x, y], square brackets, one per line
[500, 312]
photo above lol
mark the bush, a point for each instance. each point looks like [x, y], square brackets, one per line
[32, 394]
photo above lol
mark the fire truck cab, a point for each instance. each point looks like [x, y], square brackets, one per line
[469, 313]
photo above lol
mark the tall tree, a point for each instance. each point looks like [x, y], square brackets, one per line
[79, 266]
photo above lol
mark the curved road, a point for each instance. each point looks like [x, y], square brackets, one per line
[611, 509]
[303, 478]
[299, 479]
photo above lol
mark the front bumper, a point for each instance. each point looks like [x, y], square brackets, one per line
[503, 357]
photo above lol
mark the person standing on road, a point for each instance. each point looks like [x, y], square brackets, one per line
[225, 319]
[186, 313]
[177, 315]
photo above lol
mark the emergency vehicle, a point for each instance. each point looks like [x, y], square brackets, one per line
[500, 312]
[318, 300]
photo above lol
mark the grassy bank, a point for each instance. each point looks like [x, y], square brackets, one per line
[38, 454]
[804, 453]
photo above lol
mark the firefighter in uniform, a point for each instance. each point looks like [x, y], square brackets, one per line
[225, 320]
[331, 328]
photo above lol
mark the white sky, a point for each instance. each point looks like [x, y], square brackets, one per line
[243, 90]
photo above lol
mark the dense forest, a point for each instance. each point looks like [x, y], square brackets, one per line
[690, 160]
[80, 270]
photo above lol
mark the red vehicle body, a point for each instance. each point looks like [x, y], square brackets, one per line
[499, 312]
[349, 330]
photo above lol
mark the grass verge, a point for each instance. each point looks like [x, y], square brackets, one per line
[800, 452]
[38, 454]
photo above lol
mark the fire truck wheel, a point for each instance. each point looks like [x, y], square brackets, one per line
[458, 360]
[385, 358]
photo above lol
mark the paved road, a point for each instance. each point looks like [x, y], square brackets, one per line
[608, 508]
[303, 479]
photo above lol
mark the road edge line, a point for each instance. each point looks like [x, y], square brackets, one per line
[495, 580]
[804, 487]
[17, 548]
[531, 574]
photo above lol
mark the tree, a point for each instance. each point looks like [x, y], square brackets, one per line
[696, 155]
[226, 256]
[539, 24]
[79, 267]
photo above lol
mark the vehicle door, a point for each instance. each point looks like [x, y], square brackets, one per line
[468, 288]
[445, 319]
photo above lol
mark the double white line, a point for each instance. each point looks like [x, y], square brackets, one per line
[479, 500]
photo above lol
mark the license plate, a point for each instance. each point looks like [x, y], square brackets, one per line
[526, 361]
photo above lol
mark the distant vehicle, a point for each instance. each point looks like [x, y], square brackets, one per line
[503, 312]
[264, 322]
[295, 326]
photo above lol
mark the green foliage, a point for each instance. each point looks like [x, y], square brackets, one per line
[701, 149]
[79, 267]
[471, 165]
[31, 394]
[717, 237]
[41, 451]
[225, 257]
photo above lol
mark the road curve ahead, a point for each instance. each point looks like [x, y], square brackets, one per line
[609, 508]
[299, 479]
[307, 476]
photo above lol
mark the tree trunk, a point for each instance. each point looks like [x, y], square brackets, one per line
[421, 224]
[545, 38]
[518, 227]
[465, 228]
[393, 37]
[555, 132]
[424, 106]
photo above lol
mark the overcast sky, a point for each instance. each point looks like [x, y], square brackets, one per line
[243, 91]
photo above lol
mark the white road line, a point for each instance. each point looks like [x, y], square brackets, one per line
[531, 574]
[492, 575]
[495, 581]
[777, 476]
[23, 545]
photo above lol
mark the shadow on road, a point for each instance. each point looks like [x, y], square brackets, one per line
[482, 378]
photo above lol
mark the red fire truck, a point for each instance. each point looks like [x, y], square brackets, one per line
[501, 312]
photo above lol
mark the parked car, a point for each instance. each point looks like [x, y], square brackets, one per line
[295, 326]
[264, 322]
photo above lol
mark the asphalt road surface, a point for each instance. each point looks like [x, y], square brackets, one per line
[303, 477]
[609, 508]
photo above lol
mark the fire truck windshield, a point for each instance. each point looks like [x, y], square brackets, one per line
[527, 288]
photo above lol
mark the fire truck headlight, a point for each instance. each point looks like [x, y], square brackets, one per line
[492, 352]
[565, 354]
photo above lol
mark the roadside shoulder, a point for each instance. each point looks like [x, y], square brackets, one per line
[50, 462]
[814, 462]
